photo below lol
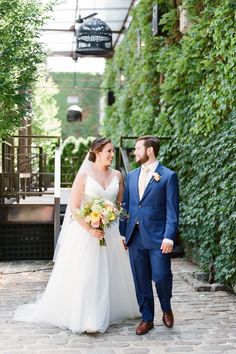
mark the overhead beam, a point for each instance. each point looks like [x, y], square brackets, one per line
[73, 30]
[97, 9]
[68, 53]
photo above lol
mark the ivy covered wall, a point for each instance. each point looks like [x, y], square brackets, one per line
[86, 87]
[184, 86]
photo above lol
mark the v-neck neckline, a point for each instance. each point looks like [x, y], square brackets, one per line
[100, 184]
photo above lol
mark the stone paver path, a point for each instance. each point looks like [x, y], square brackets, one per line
[205, 322]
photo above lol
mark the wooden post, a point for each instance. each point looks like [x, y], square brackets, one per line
[41, 171]
[57, 186]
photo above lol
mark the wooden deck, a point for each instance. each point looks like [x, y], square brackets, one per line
[47, 198]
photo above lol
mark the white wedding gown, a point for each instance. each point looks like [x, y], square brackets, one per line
[91, 286]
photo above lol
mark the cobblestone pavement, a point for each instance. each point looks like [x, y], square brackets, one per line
[205, 322]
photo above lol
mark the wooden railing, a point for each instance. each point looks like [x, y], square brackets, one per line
[24, 169]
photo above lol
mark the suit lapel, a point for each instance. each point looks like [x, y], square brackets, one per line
[158, 170]
[136, 177]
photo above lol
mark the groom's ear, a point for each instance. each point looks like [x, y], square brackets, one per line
[150, 150]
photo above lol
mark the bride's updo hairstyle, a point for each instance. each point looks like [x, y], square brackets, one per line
[97, 146]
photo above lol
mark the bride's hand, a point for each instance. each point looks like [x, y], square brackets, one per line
[97, 233]
[124, 244]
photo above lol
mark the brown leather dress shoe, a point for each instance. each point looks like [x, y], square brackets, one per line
[144, 327]
[168, 319]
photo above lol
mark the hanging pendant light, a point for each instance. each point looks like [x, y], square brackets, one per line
[94, 38]
[74, 113]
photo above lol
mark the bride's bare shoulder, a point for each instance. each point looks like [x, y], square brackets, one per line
[118, 175]
[81, 176]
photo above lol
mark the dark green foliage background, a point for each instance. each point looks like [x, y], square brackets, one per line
[195, 105]
[74, 151]
[87, 87]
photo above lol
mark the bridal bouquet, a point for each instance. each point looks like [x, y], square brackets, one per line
[100, 213]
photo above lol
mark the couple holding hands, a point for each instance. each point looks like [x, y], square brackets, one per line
[92, 287]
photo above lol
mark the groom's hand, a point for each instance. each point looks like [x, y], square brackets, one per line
[166, 247]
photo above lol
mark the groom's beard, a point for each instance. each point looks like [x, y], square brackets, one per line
[143, 159]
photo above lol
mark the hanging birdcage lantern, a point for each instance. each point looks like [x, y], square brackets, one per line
[94, 38]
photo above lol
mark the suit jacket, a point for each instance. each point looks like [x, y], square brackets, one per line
[157, 212]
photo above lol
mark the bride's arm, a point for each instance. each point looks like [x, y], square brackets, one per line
[121, 186]
[120, 198]
[77, 192]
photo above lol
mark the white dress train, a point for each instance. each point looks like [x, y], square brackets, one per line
[91, 286]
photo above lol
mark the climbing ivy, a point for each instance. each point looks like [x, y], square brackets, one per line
[184, 86]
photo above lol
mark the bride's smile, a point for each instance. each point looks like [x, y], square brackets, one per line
[105, 156]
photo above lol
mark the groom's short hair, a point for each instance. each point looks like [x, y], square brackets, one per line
[151, 141]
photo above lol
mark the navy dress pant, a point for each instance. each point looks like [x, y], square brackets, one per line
[150, 265]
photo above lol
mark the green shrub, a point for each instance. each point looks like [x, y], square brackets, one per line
[73, 153]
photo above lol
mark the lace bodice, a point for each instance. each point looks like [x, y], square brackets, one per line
[94, 189]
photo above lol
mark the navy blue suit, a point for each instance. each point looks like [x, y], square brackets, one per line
[151, 219]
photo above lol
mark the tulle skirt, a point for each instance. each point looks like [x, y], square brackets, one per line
[90, 287]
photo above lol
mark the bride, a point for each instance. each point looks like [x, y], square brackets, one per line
[90, 287]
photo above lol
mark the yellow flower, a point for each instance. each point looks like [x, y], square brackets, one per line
[95, 217]
[109, 209]
[112, 217]
[156, 176]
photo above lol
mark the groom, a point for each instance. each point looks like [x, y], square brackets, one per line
[151, 200]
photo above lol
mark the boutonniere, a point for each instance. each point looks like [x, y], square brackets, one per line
[156, 176]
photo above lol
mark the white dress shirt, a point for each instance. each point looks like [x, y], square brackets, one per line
[151, 169]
